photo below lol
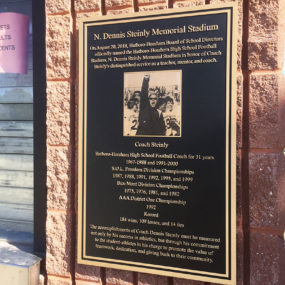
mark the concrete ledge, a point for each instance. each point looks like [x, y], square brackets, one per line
[17, 266]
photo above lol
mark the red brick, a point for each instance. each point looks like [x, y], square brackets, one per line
[281, 187]
[81, 282]
[58, 243]
[58, 113]
[115, 4]
[282, 108]
[57, 6]
[118, 277]
[189, 3]
[58, 281]
[263, 19]
[239, 54]
[179, 281]
[263, 113]
[58, 34]
[89, 273]
[263, 55]
[149, 279]
[120, 11]
[88, 14]
[265, 47]
[240, 257]
[152, 2]
[239, 111]
[263, 190]
[239, 196]
[58, 178]
[161, 6]
[85, 5]
[266, 254]
[281, 30]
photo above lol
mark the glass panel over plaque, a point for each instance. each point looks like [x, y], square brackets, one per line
[157, 143]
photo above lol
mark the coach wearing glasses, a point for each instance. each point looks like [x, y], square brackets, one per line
[151, 121]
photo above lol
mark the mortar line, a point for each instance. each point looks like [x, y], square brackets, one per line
[103, 7]
[136, 5]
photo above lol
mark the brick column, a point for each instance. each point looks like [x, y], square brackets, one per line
[266, 161]
[59, 227]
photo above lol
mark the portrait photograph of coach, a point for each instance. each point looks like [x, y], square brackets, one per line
[152, 103]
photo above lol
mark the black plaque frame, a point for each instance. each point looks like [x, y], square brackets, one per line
[85, 186]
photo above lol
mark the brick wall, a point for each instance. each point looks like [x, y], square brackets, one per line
[260, 134]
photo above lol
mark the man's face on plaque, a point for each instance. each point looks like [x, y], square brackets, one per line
[169, 106]
[152, 99]
[163, 108]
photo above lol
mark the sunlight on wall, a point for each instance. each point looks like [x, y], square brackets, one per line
[283, 69]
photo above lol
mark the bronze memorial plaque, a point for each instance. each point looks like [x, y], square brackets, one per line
[157, 146]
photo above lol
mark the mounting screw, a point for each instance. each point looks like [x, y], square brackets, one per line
[284, 151]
